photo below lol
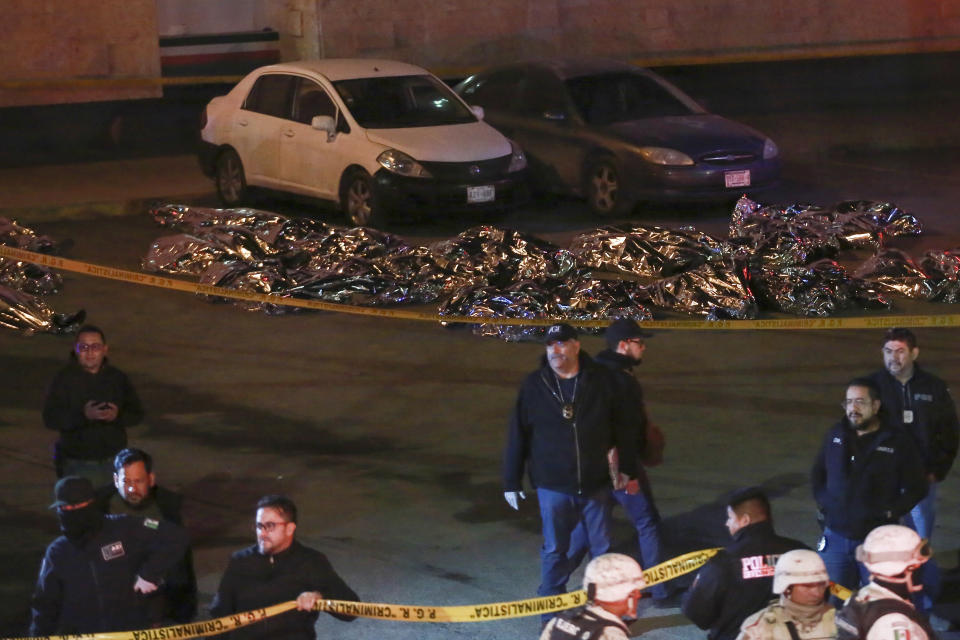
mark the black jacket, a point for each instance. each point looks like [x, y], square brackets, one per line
[629, 387]
[67, 394]
[569, 456]
[862, 482]
[252, 581]
[737, 581]
[179, 591]
[935, 428]
[88, 588]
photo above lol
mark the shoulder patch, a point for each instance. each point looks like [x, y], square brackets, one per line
[151, 523]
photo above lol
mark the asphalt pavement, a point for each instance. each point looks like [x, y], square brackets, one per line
[388, 432]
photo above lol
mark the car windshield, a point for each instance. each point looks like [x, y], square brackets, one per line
[616, 97]
[402, 101]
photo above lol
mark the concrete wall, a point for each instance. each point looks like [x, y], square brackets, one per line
[467, 33]
[46, 42]
[64, 40]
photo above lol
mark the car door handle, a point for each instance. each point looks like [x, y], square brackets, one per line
[289, 133]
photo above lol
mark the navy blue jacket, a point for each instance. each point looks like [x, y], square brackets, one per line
[935, 428]
[737, 581]
[88, 587]
[569, 456]
[862, 482]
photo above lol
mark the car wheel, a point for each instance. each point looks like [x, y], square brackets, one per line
[357, 200]
[231, 181]
[603, 188]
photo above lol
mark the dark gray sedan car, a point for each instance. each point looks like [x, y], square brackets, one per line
[617, 134]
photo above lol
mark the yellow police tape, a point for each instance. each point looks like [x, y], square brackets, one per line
[163, 282]
[403, 613]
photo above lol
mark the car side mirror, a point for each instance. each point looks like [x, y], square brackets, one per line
[477, 111]
[325, 123]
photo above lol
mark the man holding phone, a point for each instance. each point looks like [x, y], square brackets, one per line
[91, 403]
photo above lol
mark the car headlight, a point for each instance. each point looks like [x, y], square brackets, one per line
[518, 159]
[770, 149]
[662, 155]
[400, 163]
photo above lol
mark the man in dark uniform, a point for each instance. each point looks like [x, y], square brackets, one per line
[135, 492]
[738, 580]
[867, 473]
[277, 569]
[93, 577]
[91, 403]
[568, 415]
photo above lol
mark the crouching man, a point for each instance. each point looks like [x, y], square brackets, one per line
[613, 583]
[802, 612]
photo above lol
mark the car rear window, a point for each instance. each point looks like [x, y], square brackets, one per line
[270, 95]
[402, 101]
[616, 97]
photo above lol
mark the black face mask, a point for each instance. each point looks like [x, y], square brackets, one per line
[78, 523]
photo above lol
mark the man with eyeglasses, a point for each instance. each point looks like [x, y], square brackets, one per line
[866, 474]
[278, 569]
[91, 403]
[626, 344]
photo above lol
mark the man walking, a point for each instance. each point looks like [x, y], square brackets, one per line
[625, 348]
[866, 474]
[91, 403]
[566, 418]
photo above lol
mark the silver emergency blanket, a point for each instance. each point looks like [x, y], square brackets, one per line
[895, 271]
[780, 258]
[942, 267]
[22, 284]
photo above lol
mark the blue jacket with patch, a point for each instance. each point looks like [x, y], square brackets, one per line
[862, 482]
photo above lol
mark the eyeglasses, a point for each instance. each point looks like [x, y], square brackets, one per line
[856, 402]
[636, 340]
[83, 347]
[268, 526]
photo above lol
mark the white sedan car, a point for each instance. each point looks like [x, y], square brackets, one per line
[373, 135]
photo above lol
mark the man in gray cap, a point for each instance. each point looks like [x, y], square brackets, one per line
[626, 343]
[93, 577]
[568, 415]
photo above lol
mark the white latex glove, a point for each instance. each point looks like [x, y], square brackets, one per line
[143, 586]
[512, 498]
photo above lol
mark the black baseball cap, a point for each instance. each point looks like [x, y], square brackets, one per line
[624, 329]
[559, 333]
[72, 490]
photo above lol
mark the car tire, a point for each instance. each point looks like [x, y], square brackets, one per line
[230, 178]
[603, 187]
[358, 201]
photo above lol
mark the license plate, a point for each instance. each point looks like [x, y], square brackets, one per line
[485, 193]
[737, 178]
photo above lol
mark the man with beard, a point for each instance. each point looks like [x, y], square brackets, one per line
[135, 492]
[276, 569]
[866, 474]
[91, 403]
[93, 577]
[567, 416]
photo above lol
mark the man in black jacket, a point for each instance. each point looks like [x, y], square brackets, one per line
[866, 474]
[135, 492]
[277, 569]
[94, 577]
[91, 403]
[738, 580]
[568, 415]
